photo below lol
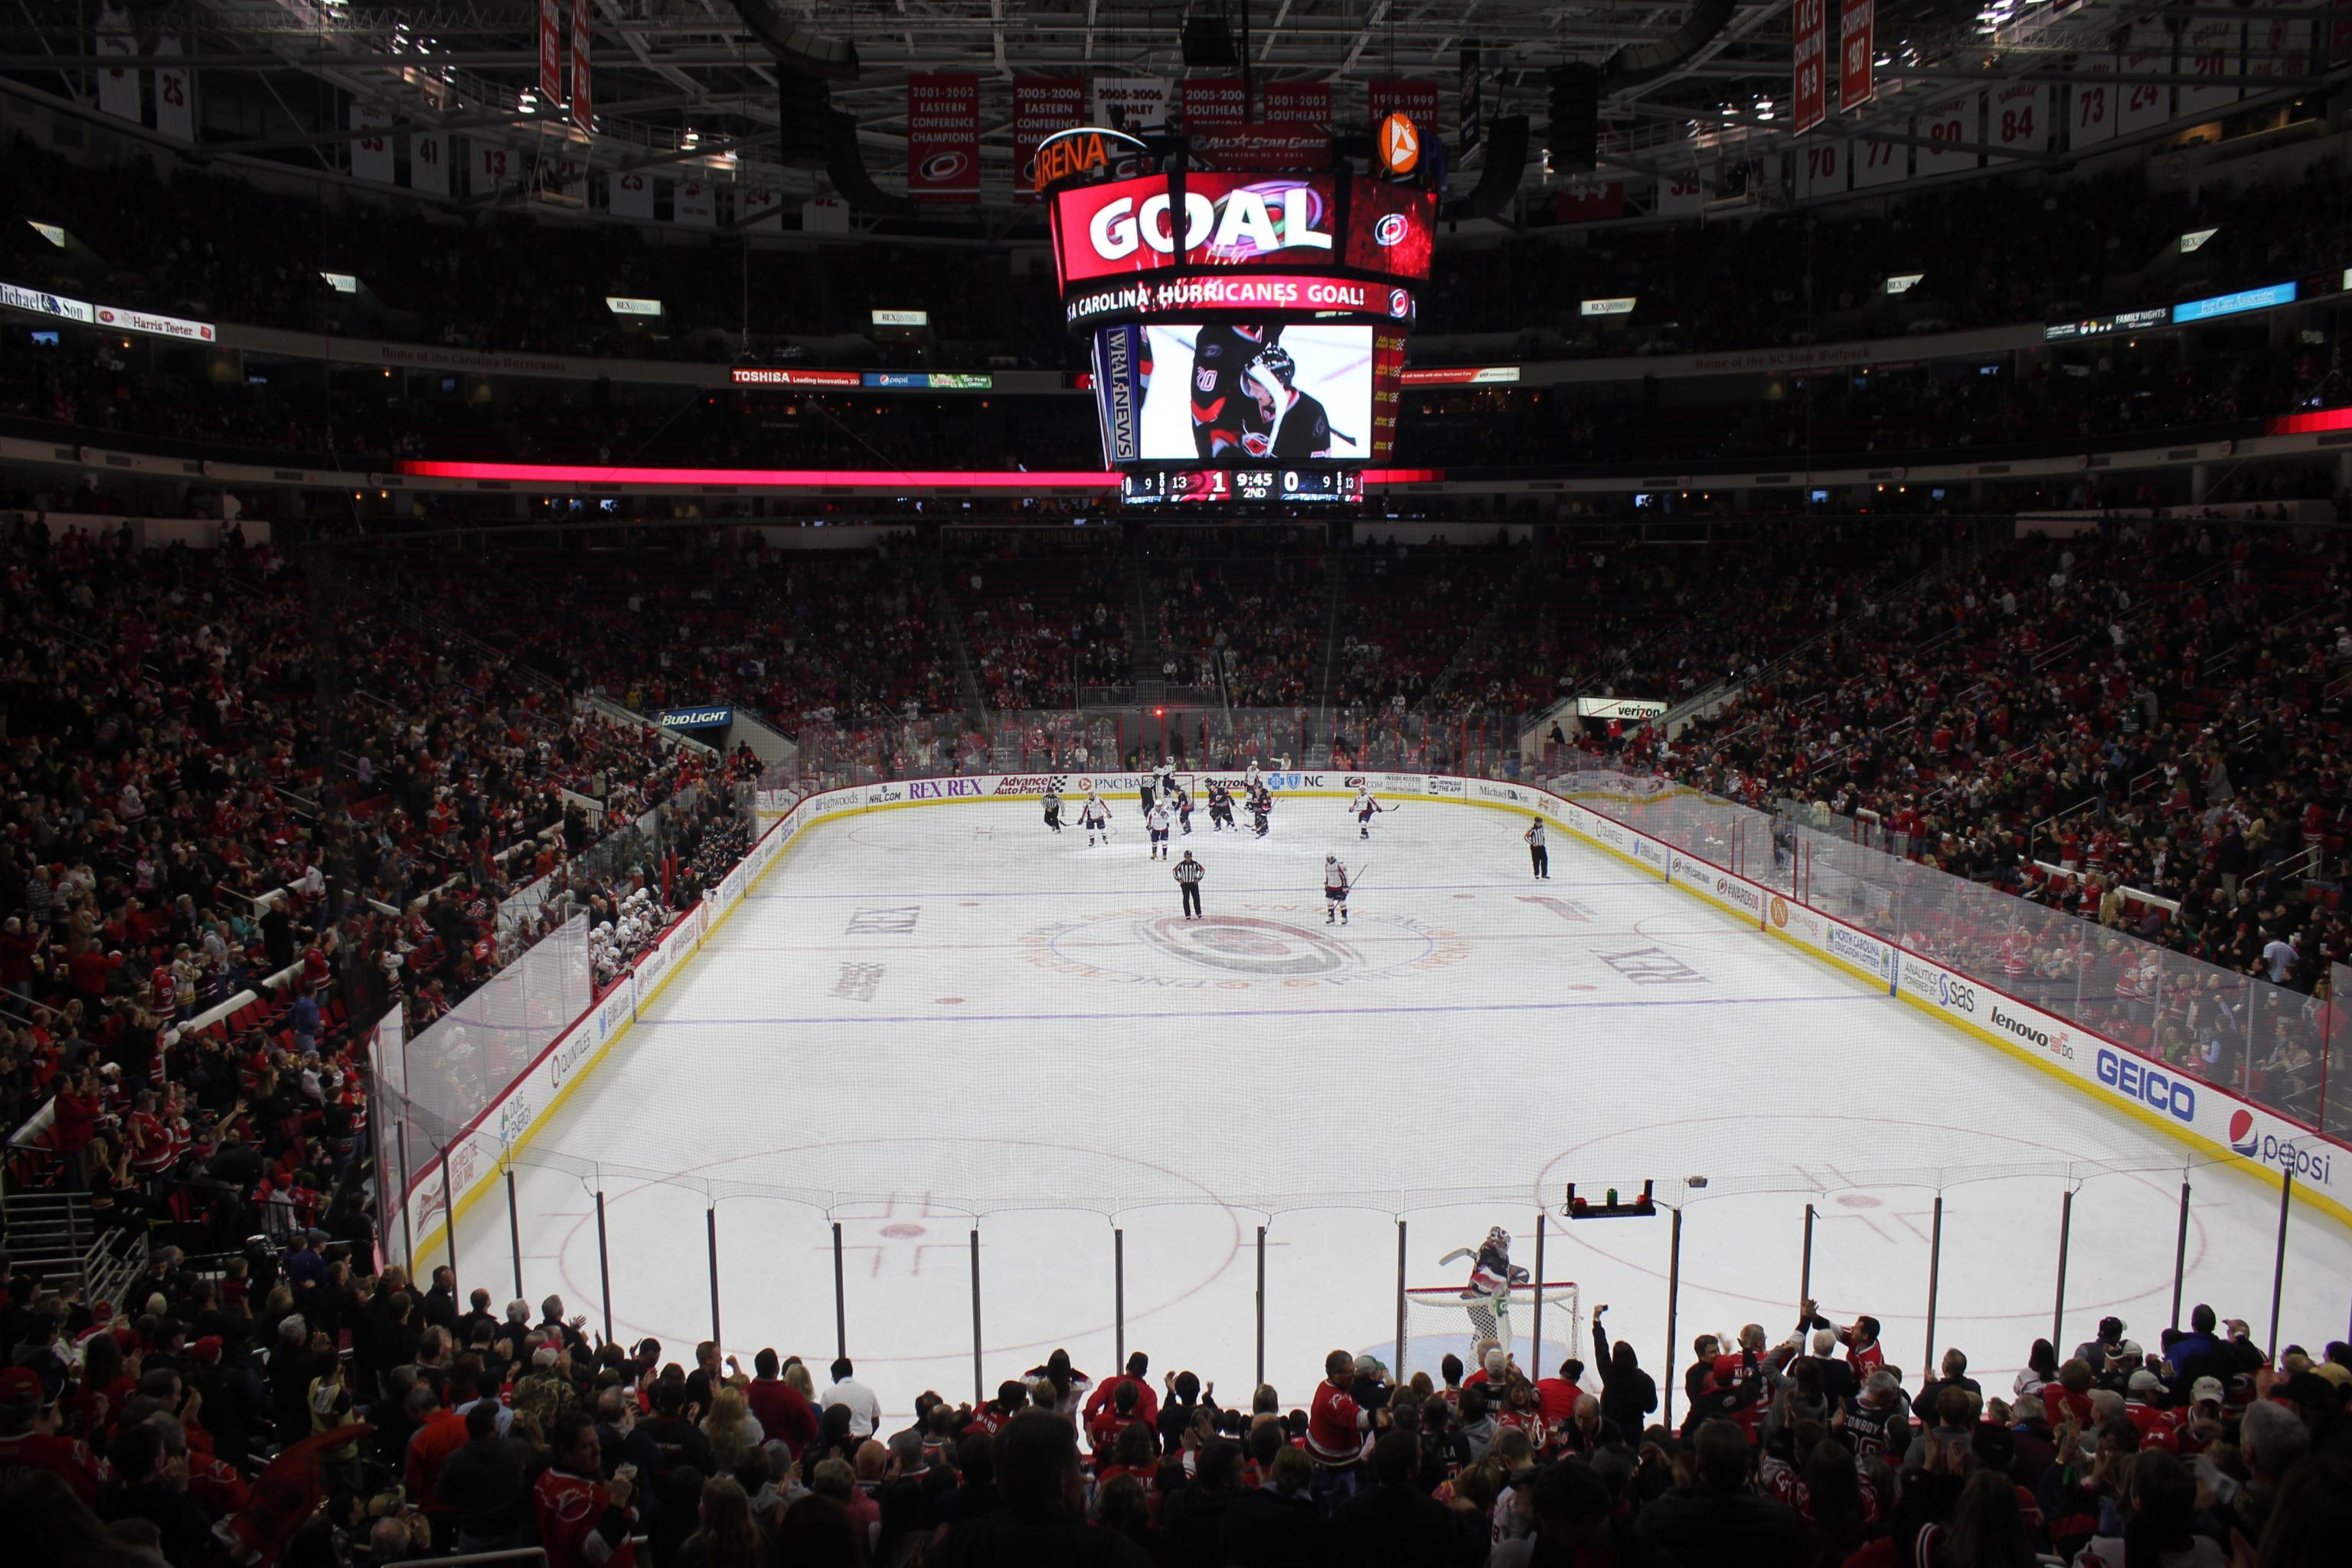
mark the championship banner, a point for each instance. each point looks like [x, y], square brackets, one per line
[943, 136]
[583, 101]
[551, 55]
[1041, 106]
[175, 96]
[1131, 103]
[1856, 85]
[1807, 19]
[118, 86]
[1415, 99]
[1289, 131]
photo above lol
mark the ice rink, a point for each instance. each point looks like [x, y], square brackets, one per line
[928, 1022]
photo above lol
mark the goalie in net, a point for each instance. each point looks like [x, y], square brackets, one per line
[1492, 1277]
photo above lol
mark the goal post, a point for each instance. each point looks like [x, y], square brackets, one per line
[1440, 1319]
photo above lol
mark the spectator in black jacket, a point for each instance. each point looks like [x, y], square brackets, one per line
[483, 1481]
[1956, 1376]
[1628, 1394]
[1721, 1519]
[1278, 1525]
[1396, 1522]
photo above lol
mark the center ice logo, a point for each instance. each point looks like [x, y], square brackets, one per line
[1260, 946]
[1254, 947]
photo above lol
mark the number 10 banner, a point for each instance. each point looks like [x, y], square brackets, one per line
[1812, 94]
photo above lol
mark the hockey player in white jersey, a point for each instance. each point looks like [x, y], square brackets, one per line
[1167, 780]
[1335, 891]
[1095, 817]
[1365, 808]
[1493, 1277]
[1252, 779]
[1155, 819]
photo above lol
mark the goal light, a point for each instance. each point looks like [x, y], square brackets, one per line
[1610, 1208]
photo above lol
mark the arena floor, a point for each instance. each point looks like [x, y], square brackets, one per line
[928, 1021]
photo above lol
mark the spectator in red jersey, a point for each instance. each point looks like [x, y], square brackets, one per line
[1147, 1406]
[585, 1522]
[779, 1407]
[1336, 1428]
[29, 1440]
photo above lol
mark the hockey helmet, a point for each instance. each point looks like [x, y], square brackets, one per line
[1498, 1236]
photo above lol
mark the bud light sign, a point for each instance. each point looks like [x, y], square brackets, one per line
[2135, 1080]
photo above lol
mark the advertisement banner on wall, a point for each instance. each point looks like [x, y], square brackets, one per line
[943, 136]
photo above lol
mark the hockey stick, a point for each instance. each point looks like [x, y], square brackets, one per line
[1456, 1255]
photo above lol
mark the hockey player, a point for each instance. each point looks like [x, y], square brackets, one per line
[1189, 872]
[1261, 807]
[1221, 805]
[1054, 809]
[1253, 778]
[1487, 1297]
[1167, 780]
[1335, 891]
[1223, 406]
[1095, 817]
[1184, 809]
[1155, 819]
[1282, 422]
[1536, 854]
[1365, 808]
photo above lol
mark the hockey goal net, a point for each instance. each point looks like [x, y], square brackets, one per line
[1441, 1317]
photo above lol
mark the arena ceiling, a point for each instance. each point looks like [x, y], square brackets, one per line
[684, 83]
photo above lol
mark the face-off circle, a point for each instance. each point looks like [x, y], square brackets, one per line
[1270, 944]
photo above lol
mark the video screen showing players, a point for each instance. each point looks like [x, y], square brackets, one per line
[1224, 393]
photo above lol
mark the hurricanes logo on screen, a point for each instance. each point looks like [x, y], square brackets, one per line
[1400, 303]
[1391, 230]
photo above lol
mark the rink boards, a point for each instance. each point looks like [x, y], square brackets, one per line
[2209, 1118]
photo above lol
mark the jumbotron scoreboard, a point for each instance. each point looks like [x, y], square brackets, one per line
[1247, 329]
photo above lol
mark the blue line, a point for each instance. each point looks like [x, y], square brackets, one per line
[946, 1017]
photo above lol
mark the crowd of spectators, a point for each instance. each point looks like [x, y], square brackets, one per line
[165, 879]
[303, 1406]
[1044, 613]
[1241, 612]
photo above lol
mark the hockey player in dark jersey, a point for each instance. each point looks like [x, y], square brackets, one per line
[1221, 805]
[1222, 403]
[1282, 422]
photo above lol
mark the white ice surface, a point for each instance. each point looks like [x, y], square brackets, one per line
[933, 1020]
